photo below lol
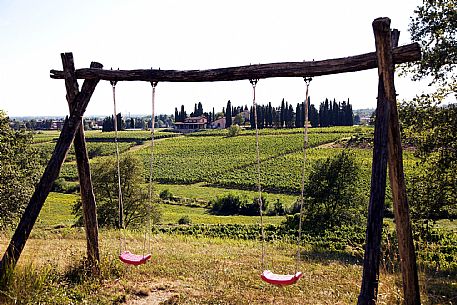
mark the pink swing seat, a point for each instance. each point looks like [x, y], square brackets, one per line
[280, 279]
[134, 259]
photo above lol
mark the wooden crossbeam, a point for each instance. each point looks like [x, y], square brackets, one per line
[403, 54]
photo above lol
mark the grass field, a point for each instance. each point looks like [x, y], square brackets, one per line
[187, 269]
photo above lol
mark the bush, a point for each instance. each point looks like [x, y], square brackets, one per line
[235, 205]
[233, 131]
[278, 209]
[185, 220]
[227, 205]
[166, 195]
[62, 186]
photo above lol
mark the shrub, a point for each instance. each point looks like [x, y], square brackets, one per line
[235, 205]
[62, 186]
[227, 205]
[185, 220]
[166, 195]
[278, 209]
[233, 130]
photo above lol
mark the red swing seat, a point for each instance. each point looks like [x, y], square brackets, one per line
[280, 279]
[133, 259]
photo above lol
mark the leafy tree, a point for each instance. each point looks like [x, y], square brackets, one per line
[19, 171]
[134, 193]
[432, 128]
[432, 186]
[331, 193]
[434, 26]
[238, 120]
[108, 124]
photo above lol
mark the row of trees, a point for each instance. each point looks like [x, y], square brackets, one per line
[329, 114]
[161, 121]
[285, 116]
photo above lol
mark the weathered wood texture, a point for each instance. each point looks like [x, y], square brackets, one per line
[407, 253]
[30, 215]
[370, 277]
[82, 161]
[407, 53]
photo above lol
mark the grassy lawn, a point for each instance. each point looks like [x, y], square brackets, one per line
[185, 270]
[199, 191]
[57, 211]
[172, 213]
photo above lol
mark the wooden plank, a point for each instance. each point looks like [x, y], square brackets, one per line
[407, 53]
[370, 278]
[82, 161]
[30, 215]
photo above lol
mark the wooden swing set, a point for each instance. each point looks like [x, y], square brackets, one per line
[387, 149]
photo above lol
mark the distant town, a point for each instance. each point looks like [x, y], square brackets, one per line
[330, 113]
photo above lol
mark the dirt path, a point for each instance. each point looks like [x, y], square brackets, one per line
[160, 293]
[327, 145]
[148, 143]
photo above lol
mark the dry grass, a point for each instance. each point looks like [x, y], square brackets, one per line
[187, 270]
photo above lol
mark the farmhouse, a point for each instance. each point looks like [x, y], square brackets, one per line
[219, 123]
[192, 123]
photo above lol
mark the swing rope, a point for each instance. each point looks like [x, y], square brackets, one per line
[305, 146]
[259, 186]
[268, 276]
[124, 255]
[121, 206]
[151, 167]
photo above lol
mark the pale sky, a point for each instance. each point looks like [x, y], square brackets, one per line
[185, 35]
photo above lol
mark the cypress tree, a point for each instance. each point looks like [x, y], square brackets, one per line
[335, 111]
[199, 109]
[282, 113]
[298, 115]
[228, 115]
[349, 114]
[251, 117]
[313, 116]
[181, 113]
[290, 114]
[194, 114]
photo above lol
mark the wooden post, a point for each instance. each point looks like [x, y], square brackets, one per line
[82, 161]
[408, 265]
[30, 215]
[370, 279]
[369, 289]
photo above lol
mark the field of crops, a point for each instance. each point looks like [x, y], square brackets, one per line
[195, 159]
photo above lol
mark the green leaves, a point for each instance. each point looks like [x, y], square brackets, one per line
[434, 26]
[331, 195]
[19, 171]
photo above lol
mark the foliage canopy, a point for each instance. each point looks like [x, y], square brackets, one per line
[19, 171]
